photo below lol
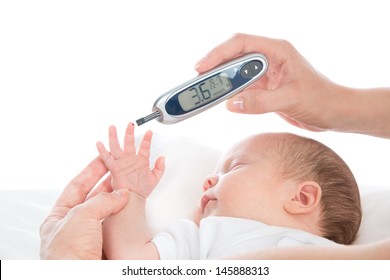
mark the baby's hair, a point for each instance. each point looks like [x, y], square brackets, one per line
[306, 159]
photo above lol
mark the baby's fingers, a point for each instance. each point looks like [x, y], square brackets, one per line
[104, 154]
[115, 147]
[159, 168]
[144, 148]
[129, 145]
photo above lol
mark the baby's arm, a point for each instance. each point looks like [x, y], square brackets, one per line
[127, 234]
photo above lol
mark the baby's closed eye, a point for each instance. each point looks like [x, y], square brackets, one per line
[236, 165]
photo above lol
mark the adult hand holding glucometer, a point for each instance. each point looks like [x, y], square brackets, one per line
[301, 95]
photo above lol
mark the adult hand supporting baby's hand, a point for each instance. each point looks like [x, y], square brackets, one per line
[73, 229]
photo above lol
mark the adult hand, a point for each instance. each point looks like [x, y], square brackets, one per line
[291, 87]
[73, 229]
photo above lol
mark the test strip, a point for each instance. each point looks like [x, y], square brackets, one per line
[150, 117]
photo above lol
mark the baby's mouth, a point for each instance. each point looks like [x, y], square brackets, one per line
[205, 201]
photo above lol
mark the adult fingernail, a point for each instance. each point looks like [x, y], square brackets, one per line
[236, 104]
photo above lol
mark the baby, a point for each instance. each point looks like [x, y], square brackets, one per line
[273, 189]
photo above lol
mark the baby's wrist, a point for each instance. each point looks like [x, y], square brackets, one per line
[131, 189]
[136, 195]
[136, 201]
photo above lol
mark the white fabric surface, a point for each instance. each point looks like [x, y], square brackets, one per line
[187, 161]
[219, 237]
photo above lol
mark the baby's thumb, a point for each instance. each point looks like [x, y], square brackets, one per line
[256, 101]
[159, 167]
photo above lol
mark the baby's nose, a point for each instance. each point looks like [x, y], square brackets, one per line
[210, 182]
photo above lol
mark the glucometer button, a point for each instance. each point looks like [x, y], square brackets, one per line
[246, 71]
[256, 67]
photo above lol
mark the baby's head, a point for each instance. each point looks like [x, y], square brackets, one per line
[282, 179]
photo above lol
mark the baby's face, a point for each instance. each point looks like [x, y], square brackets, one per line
[246, 184]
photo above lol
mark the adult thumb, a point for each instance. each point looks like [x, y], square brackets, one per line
[257, 101]
[105, 204]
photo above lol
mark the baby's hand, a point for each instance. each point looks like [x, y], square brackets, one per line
[129, 169]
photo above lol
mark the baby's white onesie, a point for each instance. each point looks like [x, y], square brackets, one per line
[219, 237]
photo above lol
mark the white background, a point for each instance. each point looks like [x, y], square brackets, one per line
[69, 69]
[278, 269]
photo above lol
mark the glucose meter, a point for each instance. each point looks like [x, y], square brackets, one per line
[207, 89]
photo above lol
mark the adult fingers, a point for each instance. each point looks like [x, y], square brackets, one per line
[103, 205]
[236, 46]
[77, 190]
[104, 186]
[258, 101]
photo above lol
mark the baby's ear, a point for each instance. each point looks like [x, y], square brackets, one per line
[304, 199]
